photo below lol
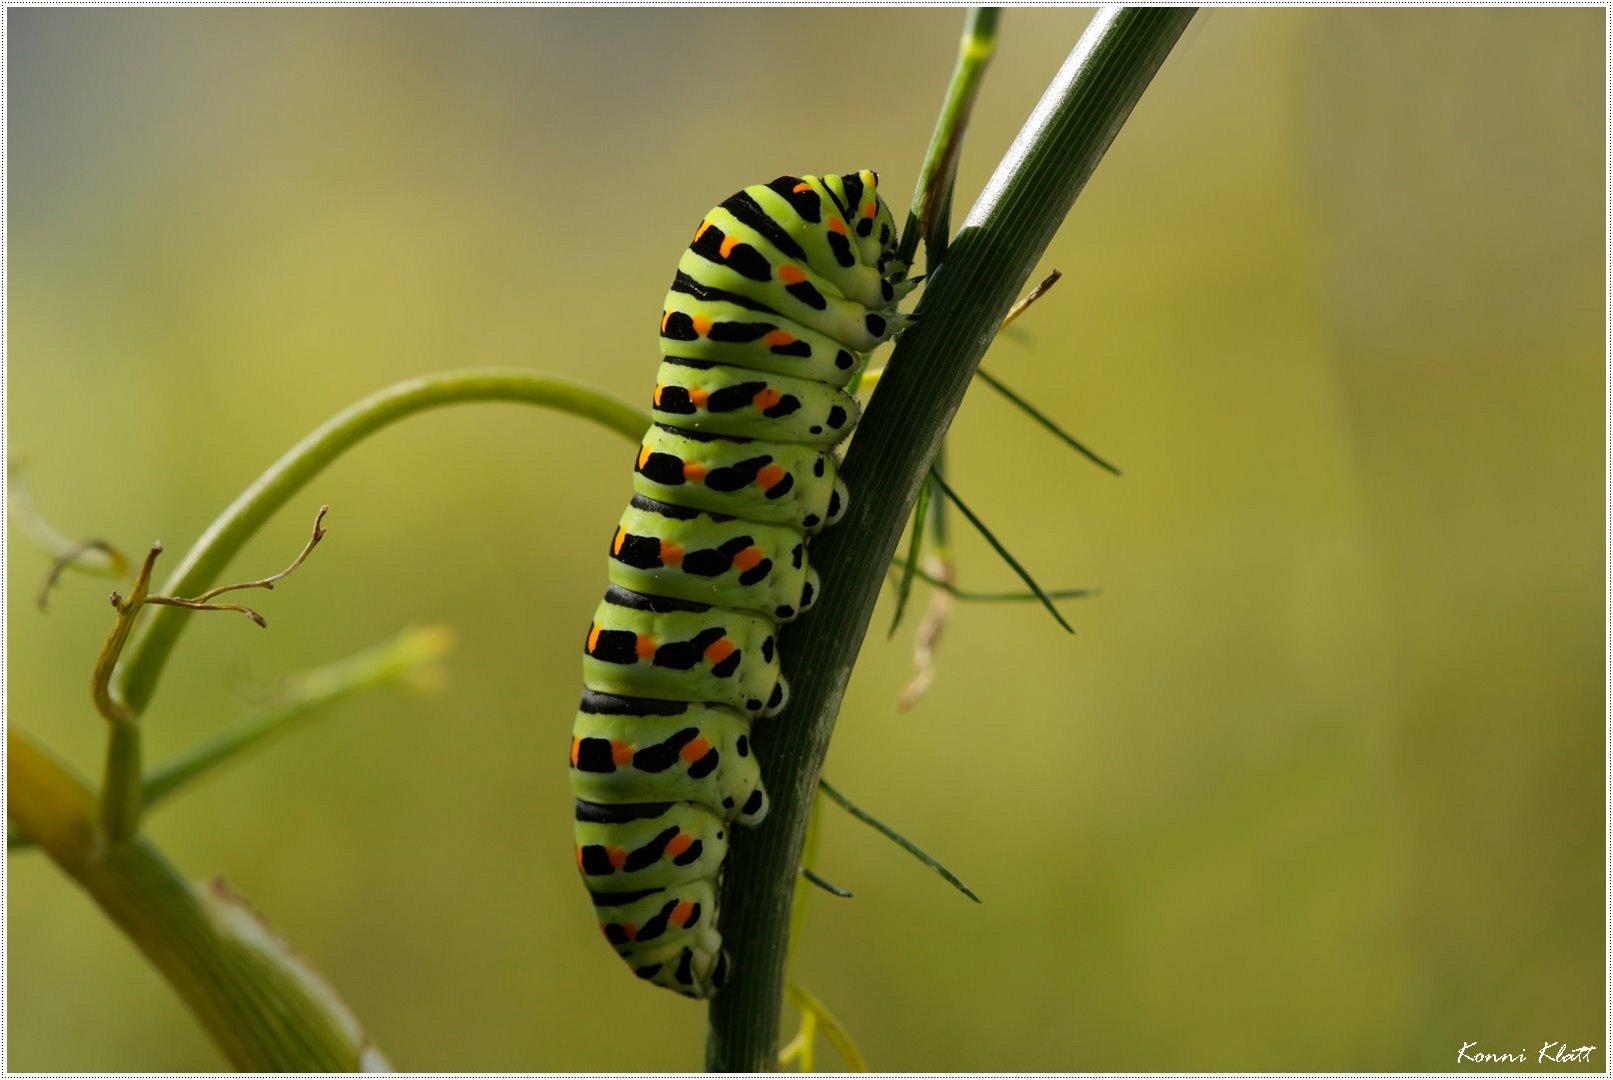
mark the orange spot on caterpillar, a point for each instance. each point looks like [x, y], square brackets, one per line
[769, 476]
[775, 338]
[679, 844]
[698, 233]
[643, 456]
[671, 554]
[791, 275]
[576, 751]
[620, 753]
[837, 226]
[694, 472]
[702, 325]
[617, 542]
[617, 856]
[727, 247]
[699, 398]
[747, 559]
[593, 637]
[766, 399]
[802, 186]
[695, 749]
[683, 913]
[716, 653]
[646, 650]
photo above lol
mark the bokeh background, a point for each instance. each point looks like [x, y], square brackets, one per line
[1320, 783]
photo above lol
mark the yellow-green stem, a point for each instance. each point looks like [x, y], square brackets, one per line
[264, 1009]
[121, 799]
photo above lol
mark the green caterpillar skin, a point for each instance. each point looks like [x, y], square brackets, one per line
[782, 287]
[720, 399]
[710, 558]
[774, 483]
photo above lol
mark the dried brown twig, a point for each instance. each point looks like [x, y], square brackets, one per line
[128, 609]
[201, 603]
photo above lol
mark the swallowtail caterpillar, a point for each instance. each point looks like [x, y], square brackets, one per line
[782, 288]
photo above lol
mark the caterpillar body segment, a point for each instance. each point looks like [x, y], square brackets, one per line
[689, 753]
[712, 558]
[781, 288]
[693, 328]
[676, 650]
[756, 479]
[808, 220]
[721, 399]
[667, 934]
[796, 293]
[629, 857]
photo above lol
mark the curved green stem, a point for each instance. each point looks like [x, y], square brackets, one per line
[989, 262]
[154, 639]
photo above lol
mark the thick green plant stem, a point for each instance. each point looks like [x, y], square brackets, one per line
[154, 639]
[989, 263]
[265, 1009]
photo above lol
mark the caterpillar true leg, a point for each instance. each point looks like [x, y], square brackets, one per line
[782, 286]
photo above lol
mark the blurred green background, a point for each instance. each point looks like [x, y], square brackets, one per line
[1320, 783]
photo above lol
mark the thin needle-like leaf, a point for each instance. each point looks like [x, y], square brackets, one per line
[897, 838]
[827, 886]
[1041, 418]
[970, 595]
[996, 545]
